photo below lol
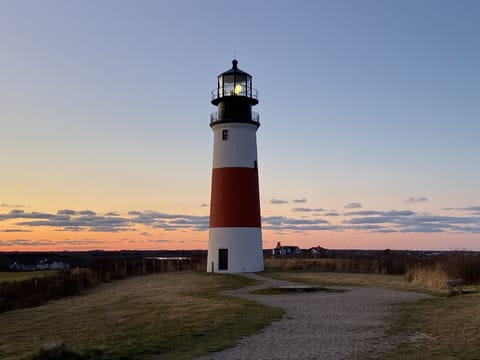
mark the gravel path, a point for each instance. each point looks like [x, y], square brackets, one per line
[319, 325]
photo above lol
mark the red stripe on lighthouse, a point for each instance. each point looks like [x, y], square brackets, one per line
[235, 198]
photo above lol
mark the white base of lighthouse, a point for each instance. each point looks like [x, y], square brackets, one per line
[235, 250]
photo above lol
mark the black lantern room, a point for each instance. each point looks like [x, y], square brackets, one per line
[234, 97]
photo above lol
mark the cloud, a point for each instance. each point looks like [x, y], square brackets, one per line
[78, 242]
[161, 241]
[416, 200]
[21, 214]
[170, 222]
[300, 201]
[87, 212]
[278, 202]
[73, 228]
[281, 223]
[303, 219]
[381, 213]
[11, 206]
[14, 230]
[470, 208]
[354, 205]
[332, 213]
[88, 220]
[84, 222]
[204, 205]
[302, 209]
[369, 220]
[66, 212]
[407, 221]
[25, 242]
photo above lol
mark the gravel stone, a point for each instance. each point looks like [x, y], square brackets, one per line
[319, 325]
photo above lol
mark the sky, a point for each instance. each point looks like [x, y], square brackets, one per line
[369, 114]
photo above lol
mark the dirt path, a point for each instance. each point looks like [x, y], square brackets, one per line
[319, 325]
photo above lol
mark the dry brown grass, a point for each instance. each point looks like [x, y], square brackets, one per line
[439, 327]
[175, 315]
[360, 265]
[434, 276]
[396, 282]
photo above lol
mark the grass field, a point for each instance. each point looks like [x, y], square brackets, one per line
[24, 275]
[395, 282]
[176, 315]
[439, 327]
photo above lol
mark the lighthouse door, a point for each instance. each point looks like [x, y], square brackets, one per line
[222, 259]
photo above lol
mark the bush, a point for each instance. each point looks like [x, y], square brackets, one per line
[435, 272]
[429, 275]
[59, 351]
[37, 291]
[392, 265]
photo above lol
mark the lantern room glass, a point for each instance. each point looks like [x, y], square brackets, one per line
[234, 85]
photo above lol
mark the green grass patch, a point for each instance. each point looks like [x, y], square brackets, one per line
[25, 275]
[177, 315]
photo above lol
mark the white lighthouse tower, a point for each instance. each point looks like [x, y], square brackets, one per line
[235, 239]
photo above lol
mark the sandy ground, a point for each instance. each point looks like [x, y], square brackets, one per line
[320, 325]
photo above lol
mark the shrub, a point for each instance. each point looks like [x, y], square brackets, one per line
[435, 272]
[429, 275]
[392, 265]
[37, 291]
[59, 351]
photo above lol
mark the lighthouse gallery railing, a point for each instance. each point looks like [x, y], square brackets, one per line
[255, 117]
[223, 92]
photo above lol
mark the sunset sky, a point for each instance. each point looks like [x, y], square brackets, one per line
[369, 111]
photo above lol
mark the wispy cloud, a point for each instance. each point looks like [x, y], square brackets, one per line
[21, 214]
[353, 205]
[303, 219]
[11, 205]
[407, 221]
[278, 201]
[15, 230]
[300, 201]
[25, 242]
[470, 208]
[170, 221]
[89, 220]
[303, 209]
[281, 223]
[416, 200]
[331, 213]
[381, 213]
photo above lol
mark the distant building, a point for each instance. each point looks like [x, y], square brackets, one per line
[57, 265]
[43, 264]
[317, 250]
[21, 267]
[286, 250]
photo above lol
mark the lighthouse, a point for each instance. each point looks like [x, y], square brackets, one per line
[235, 236]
